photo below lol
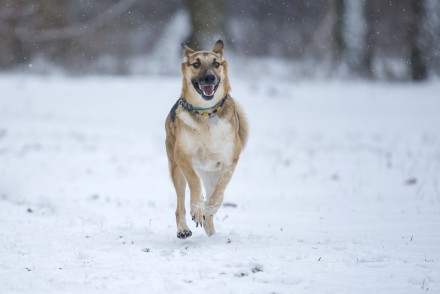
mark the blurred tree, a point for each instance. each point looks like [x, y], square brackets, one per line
[208, 23]
[370, 40]
[50, 15]
[13, 50]
[431, 37]
[417, 61]
[339, 46]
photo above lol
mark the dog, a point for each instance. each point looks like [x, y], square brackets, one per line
[206, 130]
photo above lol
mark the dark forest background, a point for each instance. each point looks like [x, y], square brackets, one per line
[373, 39]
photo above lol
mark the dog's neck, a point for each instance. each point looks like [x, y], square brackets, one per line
[204, 111]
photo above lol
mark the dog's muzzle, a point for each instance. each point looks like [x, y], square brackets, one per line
[207, 85]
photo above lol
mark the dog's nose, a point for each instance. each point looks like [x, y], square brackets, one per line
[208, 79]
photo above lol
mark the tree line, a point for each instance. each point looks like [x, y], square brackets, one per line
[375, 39]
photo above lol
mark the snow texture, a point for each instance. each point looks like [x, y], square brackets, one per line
[338, 190]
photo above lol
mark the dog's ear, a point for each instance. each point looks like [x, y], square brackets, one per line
[218, 47]
[186, 52]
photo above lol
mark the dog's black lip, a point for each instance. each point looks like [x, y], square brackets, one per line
[207, 98]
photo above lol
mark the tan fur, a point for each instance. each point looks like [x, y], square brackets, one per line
[200, 152]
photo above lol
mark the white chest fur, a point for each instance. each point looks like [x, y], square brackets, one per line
[210, 146]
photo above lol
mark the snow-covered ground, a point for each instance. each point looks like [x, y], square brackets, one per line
[338, 190]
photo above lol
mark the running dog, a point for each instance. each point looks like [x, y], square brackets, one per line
[206, 130]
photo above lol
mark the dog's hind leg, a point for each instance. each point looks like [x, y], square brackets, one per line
[216, 199]
[180, 184]
[210, 180]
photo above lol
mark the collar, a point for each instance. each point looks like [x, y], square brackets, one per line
[201, 110]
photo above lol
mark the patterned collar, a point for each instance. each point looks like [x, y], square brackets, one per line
[201, 110]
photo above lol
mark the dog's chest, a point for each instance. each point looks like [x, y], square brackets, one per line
[211, 146]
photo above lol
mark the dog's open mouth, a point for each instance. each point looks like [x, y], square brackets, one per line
[206, 91]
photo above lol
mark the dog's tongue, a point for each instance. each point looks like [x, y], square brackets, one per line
[208, 90]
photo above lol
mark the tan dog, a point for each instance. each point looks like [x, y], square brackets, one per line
[206, 132]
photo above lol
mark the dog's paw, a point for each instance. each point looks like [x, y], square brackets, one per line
[184, 234]
[209, 225]
[199, 219]
[197, 214]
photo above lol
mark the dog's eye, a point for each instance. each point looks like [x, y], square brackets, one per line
[216, 64]
[196, 64]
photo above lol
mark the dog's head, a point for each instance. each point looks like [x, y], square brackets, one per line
[205, 76]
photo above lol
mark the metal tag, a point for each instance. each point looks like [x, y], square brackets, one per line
[214, 120]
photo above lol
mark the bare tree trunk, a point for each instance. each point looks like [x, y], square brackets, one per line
[13, 44]
[339, 46]
[417, 63]
[208, 22]
[370, 39]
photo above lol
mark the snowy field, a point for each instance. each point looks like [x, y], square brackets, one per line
[338, 190]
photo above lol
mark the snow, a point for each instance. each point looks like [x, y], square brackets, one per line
[338, 190]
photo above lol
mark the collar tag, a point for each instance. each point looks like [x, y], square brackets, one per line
[214, 120]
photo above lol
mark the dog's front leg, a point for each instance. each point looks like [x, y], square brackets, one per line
[195, 188]
[216, 199]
